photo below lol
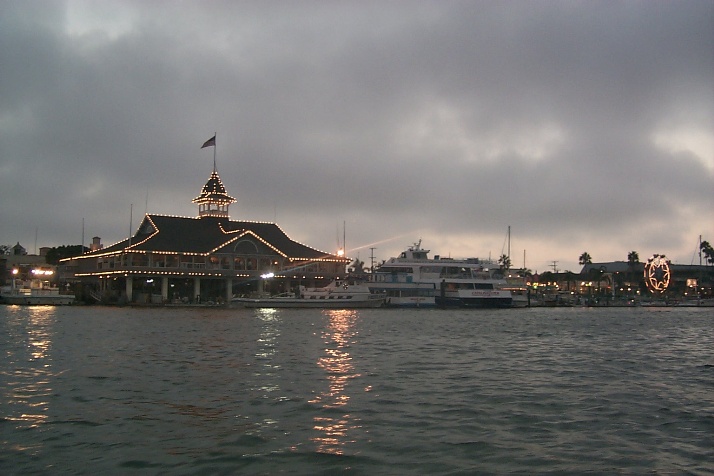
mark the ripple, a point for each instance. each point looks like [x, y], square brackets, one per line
[370, 392]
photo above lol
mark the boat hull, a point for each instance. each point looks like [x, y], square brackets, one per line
[474, 303]
[30, 300]
[410, 302]
[307, 303]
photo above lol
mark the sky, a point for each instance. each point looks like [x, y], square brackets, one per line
[584, 126]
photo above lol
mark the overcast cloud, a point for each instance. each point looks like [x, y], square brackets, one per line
[585, 126]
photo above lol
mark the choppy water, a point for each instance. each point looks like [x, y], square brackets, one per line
[90, 390]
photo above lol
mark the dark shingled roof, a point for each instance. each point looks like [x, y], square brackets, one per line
[160, 233]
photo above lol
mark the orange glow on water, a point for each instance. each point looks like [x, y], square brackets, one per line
[338, 366]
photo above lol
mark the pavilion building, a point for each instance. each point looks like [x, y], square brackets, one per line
[205, 258]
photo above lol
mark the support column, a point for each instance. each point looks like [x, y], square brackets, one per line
[229, 291]
[196, 288]
[165, 288]
[129, 288]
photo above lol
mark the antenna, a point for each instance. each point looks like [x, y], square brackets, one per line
[131, 213]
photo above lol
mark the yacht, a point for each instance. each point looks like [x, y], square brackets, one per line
[34, 292]
[336, 295]
[414, 280]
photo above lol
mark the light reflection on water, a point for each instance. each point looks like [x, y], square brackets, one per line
[28, 366]
[337, 363]
[266, 374]
[87, 390]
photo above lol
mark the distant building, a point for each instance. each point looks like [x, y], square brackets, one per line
[622, 276]
[96, 244]
[209, 257]
[24, 267]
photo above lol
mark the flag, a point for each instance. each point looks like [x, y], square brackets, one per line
[210, 142]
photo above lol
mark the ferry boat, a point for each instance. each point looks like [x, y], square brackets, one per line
[414, 280]
[336, 295]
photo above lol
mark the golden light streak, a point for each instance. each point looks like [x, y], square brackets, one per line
[339, 369]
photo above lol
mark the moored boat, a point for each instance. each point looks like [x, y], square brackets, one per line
[414, 280]
[337, 295]
[35, 293]
[472, 294]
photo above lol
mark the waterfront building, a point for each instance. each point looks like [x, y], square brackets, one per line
[205, 258]
[20, 266]
[622, 279]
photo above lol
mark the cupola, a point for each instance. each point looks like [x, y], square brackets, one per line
[213, 201]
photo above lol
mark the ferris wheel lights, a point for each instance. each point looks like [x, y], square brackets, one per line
[657, 274]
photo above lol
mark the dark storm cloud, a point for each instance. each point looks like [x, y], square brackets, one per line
[449, 121]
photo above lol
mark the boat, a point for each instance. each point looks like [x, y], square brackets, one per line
[414, 280]
[34, 292]
[337, 295]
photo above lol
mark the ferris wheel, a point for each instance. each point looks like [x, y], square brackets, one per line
[657, 274]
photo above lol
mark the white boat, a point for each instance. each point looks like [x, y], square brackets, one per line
[34, 292]
[414, 280]
[336, 295]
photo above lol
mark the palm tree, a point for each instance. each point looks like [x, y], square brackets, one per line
[633, 258]
[357, 267]
[708, 252]
[505, 262]
[585, 258]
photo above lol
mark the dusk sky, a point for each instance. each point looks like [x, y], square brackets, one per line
[582, 125]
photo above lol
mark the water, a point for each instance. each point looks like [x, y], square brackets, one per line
[88, 390]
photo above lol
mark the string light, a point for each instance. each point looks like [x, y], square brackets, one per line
[657, 274]
[213, 202]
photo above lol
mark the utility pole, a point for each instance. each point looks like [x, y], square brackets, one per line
[555, 267]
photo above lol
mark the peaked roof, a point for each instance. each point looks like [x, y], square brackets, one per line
[214, 191]
[168, 234]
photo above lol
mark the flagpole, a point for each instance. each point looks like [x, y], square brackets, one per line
[214, 151]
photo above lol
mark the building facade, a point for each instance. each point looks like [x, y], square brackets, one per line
[206, 258]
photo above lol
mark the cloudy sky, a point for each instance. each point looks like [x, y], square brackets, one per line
[584, 126]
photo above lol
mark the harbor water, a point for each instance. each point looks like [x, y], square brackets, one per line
[101, 390]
